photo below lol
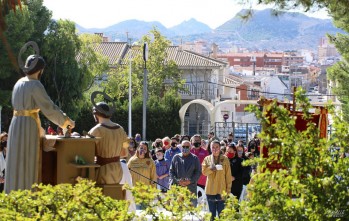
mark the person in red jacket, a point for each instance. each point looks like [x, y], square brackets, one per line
[50, 130]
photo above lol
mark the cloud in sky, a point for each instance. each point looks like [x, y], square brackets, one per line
[100, 14]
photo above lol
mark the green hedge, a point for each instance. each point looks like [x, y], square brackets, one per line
[62, 202]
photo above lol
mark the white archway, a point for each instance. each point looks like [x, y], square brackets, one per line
[207, 105]
[215, 112]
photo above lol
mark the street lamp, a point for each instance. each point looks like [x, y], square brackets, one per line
[145, 91]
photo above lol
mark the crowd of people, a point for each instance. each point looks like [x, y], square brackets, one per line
[187, 161]
[192, 162]
[180, 160]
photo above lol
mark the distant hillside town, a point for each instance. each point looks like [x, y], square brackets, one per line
[241, 74]
[264, 31]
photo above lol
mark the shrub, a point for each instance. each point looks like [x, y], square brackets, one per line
[62, 202]
[313, 185]
[174, 205]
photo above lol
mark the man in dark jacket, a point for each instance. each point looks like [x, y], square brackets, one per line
[185, 170]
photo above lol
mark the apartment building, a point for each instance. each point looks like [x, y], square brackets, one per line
[204, 78]
[277, 61]
[326, 50]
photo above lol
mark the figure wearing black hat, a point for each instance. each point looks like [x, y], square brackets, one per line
[112, 145]
[28, 98]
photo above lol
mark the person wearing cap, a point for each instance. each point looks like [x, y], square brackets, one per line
[28, 98]
[113, 144]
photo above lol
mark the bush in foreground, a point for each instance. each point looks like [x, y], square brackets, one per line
[82, 201]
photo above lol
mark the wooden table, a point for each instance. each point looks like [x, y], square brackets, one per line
[58, 165]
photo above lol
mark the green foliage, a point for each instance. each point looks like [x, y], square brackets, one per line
[41, 18]
[231, 211]
[159, 67]
[163, 103]
[174, 205]
[62, 77]
[92, 64]
[339, 74]
[66, 77]
[162, 114]
[21, 30]
[84, 120]
[163, 117]
[308, 6]
[21, 26]
[62, 202]
[313, 185]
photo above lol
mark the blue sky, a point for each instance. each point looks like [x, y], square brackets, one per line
[100, 14]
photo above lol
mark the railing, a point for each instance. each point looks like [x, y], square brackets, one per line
[193, 128]
[240, 131]
[199, 90]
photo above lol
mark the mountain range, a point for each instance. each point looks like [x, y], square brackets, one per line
[264, 30]
[136, 29]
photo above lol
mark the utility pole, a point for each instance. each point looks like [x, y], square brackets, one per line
[145, 90]
[129, 90]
